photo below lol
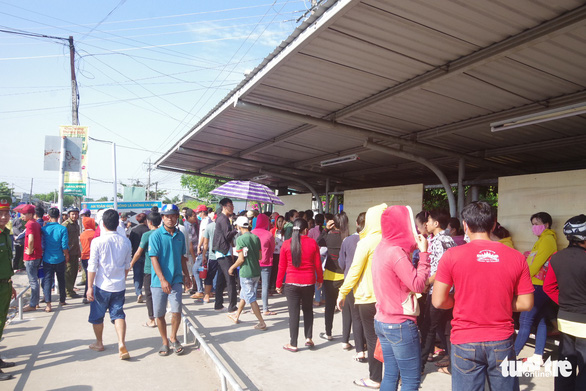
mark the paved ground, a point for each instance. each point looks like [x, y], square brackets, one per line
[51, 354]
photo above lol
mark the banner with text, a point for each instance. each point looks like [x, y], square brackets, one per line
[76, 182]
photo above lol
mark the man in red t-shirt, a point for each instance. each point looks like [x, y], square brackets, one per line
[491, 281]
[33, 253]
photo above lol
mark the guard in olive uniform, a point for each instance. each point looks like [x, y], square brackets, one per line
[6, 290]
[72, 267]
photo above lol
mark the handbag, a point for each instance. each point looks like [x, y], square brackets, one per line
[378, 351]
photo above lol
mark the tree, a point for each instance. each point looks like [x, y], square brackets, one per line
[68, 200]
[199, 186]
[174, 200]
[434, 199]
[103, 199]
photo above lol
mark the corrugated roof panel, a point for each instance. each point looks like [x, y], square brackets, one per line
[563, 56]
[341, 48]
[383, 122]
[326, 80]
[406, 37]
[427, 108]
[524, 80]
[477, 92]
[479, 22]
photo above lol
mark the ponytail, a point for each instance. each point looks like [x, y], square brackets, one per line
[299, 226]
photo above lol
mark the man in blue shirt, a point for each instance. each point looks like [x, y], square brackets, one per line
[167, 250]
[55, 254]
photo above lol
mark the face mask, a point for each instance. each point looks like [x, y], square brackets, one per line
[538, 229]
[466, 238]
[199, 218]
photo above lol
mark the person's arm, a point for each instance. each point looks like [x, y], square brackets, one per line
[137, 256]
[238, 262]
[92, 268]
[284, 259]
[65, 244]
[355, 272]
[205, 252]
[546, 247]
[550, 285]
[441, 297]
[30, 249]
[165, 286]
[186, 278]
[522, 302]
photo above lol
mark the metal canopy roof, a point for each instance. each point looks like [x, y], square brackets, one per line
[390, 79]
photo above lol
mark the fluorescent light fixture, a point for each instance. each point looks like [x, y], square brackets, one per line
[544, 116]
[338, 160]
[260, 177]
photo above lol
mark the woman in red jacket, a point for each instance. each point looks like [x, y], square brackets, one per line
[301, 263]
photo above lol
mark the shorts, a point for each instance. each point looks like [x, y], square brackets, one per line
[104, 300]
[248, 287]
[160, 299]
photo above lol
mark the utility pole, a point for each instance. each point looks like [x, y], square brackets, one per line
[156, 191]
[31, 195]
[149, 181]
[74, 108]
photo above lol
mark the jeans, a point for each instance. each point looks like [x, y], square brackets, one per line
[50, 271]
[475, 363]
[572, 349]
[367, 313]
[402, 354]
[297, 295]
[265, 275]
[196, 265]
[526, 320]
[138, 275]
[32, 271]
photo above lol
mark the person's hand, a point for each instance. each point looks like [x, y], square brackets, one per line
[29, 251]
[187, 282]
[319, 284]
[198, 251]
[90, 293]
[330, 225]
[421, 243]
[279, 290]
[231, 271]
[340, 303]
[13, 293]
[165, 286]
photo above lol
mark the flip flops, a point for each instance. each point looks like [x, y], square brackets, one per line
[164, 350]
[177, 348]
[123, 353]
[290, 348]
[362, 383]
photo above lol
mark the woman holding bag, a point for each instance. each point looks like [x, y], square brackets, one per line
[395, 282]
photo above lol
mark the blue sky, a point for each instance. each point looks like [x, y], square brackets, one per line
[147, 71]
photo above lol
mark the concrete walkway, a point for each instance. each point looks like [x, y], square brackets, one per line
[51, 352]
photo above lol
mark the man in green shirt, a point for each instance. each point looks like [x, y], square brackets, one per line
[248, 249]
[72, 266]
[6, 290]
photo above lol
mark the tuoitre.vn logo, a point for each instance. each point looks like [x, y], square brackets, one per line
[518, 368]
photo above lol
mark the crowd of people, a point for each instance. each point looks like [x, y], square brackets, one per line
[412, 290]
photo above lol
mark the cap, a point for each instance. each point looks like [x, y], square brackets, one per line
[26, 209]
[201, 208]
[242, 221]
[5, 201]
[169, 209]
[250, 214]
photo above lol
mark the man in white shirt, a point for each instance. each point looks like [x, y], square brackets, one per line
[108, 266]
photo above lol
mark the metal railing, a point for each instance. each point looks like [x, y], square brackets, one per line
[225, 375]
[19, 298]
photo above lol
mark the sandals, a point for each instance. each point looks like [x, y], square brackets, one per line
[123, 354]
[176, 346]
[310, 344]
[360, 359]
[325, 336]
[347, 346]
[290, 348]
[362, 383]
[164, 350]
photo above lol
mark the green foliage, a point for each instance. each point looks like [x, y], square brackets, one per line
[102, 199]
[434, 199]
[68, 200]
[193, 204]
[174, 200]
[199, 186]
[5, 188]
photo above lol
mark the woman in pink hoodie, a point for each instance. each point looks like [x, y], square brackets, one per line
[267, 244]
[395, 283]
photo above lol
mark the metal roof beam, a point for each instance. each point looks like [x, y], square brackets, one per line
[545, 30]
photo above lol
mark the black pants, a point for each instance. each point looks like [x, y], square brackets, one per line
[299, 295]
[572, 349]
[274, 272]
[149, 295]
[331, 289]
[367, 313]
[434, 321]
[351, 320]
[17, 261]
[225, 263]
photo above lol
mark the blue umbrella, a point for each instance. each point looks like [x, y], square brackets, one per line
[246, 190]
